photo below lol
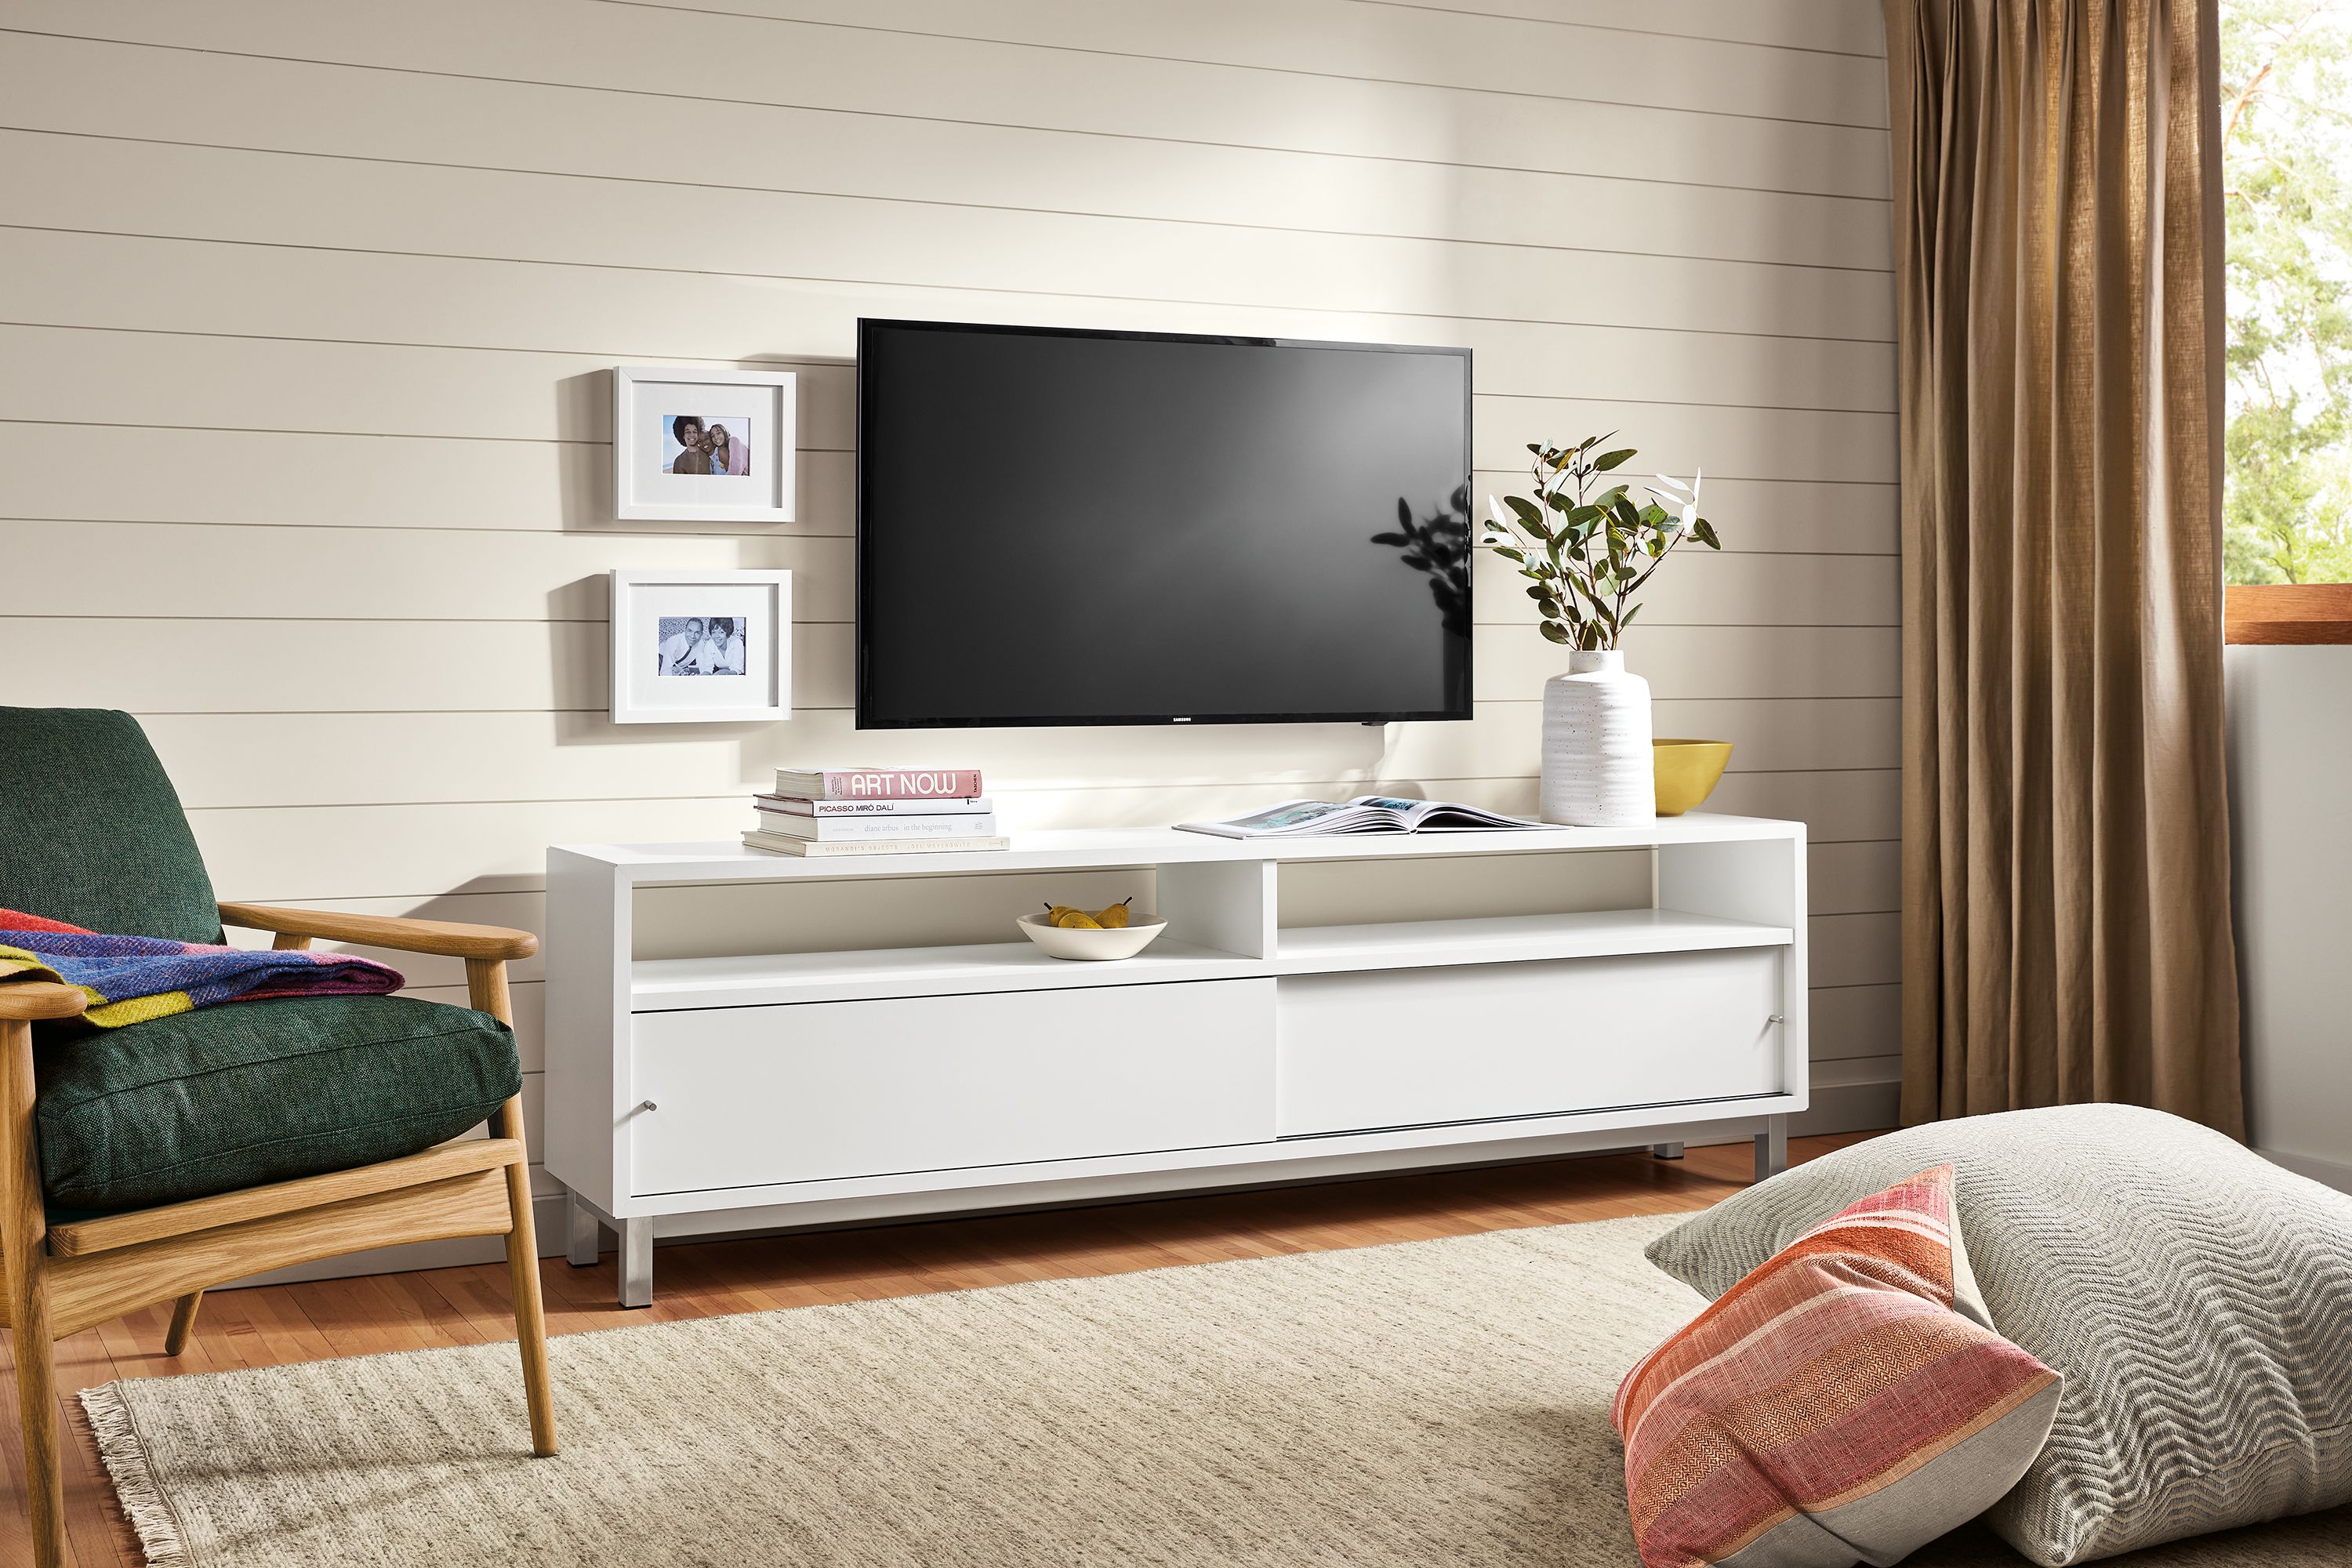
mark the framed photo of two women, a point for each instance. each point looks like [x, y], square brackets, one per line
[703, 446]
[701, 647]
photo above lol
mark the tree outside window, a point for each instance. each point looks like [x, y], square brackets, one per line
[2286, 148]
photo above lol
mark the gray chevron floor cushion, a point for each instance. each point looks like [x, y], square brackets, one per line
[2198, 1298]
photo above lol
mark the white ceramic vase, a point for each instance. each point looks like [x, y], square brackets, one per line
[1596, 744]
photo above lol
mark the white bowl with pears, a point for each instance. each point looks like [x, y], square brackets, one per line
[1098, 936]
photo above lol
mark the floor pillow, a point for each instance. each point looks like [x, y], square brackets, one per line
[2196, 1299]
[1831, 1407]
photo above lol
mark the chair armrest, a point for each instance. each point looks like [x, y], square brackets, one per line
[447, 938]
[30, 999]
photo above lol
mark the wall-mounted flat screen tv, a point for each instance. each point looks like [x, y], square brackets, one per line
[1062, 527]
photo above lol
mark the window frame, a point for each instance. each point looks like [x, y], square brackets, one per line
[2303, 614]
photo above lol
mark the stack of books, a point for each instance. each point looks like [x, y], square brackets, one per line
[876, 811]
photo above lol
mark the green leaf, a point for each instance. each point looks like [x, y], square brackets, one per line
[1704, 532]
[1608, 460]
[1584, 514]
[1549, 607]
[1538, 592]
[1608, 498]
[1507, 553]
[1554, 632]
[1526, 509]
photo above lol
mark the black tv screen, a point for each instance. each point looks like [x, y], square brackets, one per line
[1061, 527]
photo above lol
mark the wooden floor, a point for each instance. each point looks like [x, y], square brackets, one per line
[281, 1323]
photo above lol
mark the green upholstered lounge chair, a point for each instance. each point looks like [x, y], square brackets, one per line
[147, 1162]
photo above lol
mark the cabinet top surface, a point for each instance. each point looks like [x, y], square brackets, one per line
[1073, 848]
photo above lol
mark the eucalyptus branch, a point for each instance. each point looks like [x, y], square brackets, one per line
[1585, 556]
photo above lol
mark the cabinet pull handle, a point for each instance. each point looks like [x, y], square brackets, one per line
[1769, 1018]
[647, 1105]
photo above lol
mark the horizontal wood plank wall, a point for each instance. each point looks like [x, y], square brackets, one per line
[310, 310]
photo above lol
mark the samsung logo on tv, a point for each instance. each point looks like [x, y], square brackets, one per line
[1180, 721]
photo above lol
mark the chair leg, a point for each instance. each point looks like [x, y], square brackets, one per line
[522, 1276]
[486, 988]
[183, 1322]
[36, 1408]
[24, 1266]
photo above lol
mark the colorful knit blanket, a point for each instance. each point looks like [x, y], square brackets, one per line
[130, 979]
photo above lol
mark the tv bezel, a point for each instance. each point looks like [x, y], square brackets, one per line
[1010, 722]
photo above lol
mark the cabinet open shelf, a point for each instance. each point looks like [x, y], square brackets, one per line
[1513, 939]
[670, 985]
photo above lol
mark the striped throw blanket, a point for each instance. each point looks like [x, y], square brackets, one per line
[130, 979]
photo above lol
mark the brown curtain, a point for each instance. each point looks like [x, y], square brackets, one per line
[2065, 829]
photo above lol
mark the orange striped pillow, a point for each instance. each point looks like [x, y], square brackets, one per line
[1831, 1407]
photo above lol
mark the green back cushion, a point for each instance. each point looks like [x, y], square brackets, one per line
[251, 1092]
[91, 830]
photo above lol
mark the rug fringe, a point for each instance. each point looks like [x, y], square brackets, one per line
[142, 1496]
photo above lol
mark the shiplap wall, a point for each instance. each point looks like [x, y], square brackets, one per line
[306, 309]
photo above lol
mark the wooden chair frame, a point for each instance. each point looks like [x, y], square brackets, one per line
[56, 1280]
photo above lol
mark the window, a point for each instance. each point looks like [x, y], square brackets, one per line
[2286, 150]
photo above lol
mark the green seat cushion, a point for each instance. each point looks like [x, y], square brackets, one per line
[90, 829]
[251, 1092]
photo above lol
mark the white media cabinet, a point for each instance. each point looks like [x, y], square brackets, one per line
[722, 1058]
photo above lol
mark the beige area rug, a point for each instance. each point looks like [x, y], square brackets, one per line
[1430, 1403]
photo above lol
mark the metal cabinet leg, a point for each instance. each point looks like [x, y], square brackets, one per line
[1773, 1147]
[1667, 1150]
[637, 1263]
[581, 1232]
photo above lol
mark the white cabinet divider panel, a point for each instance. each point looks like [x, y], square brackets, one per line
[697, 1095]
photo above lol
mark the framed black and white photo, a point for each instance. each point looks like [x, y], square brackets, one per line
[712, 445]
[701, 647]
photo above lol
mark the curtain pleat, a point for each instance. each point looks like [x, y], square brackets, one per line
[2065, 832]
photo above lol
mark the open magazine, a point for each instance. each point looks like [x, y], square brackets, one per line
[1365, 813]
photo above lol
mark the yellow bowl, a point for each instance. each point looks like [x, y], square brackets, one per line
[1687, 771]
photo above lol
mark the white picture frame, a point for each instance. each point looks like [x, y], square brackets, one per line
[745, 421]
[701, 647]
